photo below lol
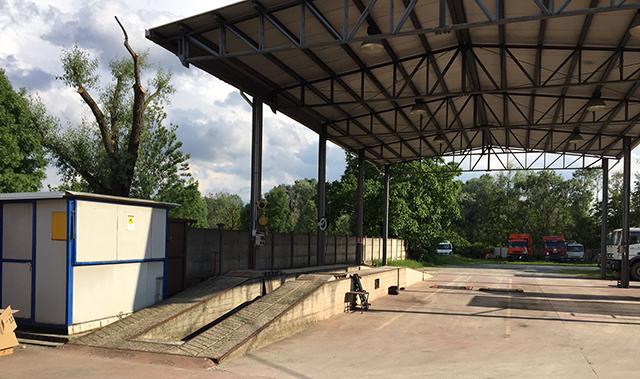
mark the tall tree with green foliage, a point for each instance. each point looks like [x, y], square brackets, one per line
[125, 150]
[303, 197]
[224, 208]
[422, 199]
[22, 157]
[277, 210]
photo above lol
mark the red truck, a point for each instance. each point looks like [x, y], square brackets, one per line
[520, 247]
[554, 248]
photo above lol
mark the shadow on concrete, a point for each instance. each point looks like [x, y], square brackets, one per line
[545, 304]
[277, 367]
[512, 317]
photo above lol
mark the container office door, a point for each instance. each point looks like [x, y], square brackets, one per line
[18, 224]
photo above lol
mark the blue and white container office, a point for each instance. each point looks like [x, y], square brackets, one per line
[78, 261]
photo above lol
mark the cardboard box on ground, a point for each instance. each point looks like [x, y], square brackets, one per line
[7, 337]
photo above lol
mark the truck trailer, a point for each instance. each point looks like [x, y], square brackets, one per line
[554, 248]
[519, 247]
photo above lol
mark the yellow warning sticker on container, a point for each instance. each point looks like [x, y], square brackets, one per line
[131, 222]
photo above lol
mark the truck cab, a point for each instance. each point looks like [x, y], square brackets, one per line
[614, 251]
[554, 248]
[519, 247]
[575, 251]
[445, 248]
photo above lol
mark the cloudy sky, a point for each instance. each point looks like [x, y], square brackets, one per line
[214, 120]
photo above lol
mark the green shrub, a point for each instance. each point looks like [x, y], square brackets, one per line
[477, 250]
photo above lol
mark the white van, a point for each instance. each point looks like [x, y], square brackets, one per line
[445, 248]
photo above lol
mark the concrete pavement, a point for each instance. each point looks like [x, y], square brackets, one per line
[559, 327]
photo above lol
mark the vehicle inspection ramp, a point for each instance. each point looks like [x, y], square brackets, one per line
[231, 315]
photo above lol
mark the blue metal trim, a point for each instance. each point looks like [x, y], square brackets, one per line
[166, 257]
[33, 259]
[98, 263]
[71, 253]
[1, 248]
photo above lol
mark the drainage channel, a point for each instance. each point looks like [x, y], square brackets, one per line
[176, 340]
[469, 288]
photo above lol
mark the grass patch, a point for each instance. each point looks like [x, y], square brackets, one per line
[400, 263]
[457, 260]
[550, 263]
[440, 260]
[589, 273]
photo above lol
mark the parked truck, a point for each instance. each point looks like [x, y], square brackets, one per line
[519, 247]
[614, 252]
[554, 248]
[575, 251]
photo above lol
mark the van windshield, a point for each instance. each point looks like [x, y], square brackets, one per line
[444, 246]
[575, 249]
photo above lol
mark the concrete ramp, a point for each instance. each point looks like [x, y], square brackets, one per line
[215, 319]
[231, 315]
[151, 329]
[246, 329]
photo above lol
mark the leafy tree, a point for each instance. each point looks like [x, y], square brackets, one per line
[104, 153]
[224, 208]
[303, 195]
[277, 210]
[422, 200]
[125, 150]
[22, 158]
[193, 206]
[583, 224]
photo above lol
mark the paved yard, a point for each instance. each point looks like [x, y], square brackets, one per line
[558, 327]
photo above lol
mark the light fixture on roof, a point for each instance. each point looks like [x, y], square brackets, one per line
[634, 29]
[575, 137]
[596, 103]
[419, 108]
[372, 47]
[439, 138]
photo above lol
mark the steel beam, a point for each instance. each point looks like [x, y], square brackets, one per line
[322, 179]
[360, 219]
[385, 215]
[626, 205]
[605, 216]
[348, 37]
[256, 181]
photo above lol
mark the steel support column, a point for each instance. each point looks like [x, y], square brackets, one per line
[626, 184]
[359, 236]
[322, 179]
[605, 212]
[256, 180]
[385, 220]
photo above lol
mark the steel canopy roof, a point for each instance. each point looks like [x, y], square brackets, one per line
[491, 75]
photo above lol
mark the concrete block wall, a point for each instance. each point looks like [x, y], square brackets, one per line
[212, 252]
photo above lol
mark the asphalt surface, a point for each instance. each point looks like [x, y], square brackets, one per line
[528, 322]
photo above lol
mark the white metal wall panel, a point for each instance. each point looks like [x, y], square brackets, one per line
[106, 290]
[158, 233]
[51, 267]
[16, 287]
[96, 225]
[134, 241]
[17, 231]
